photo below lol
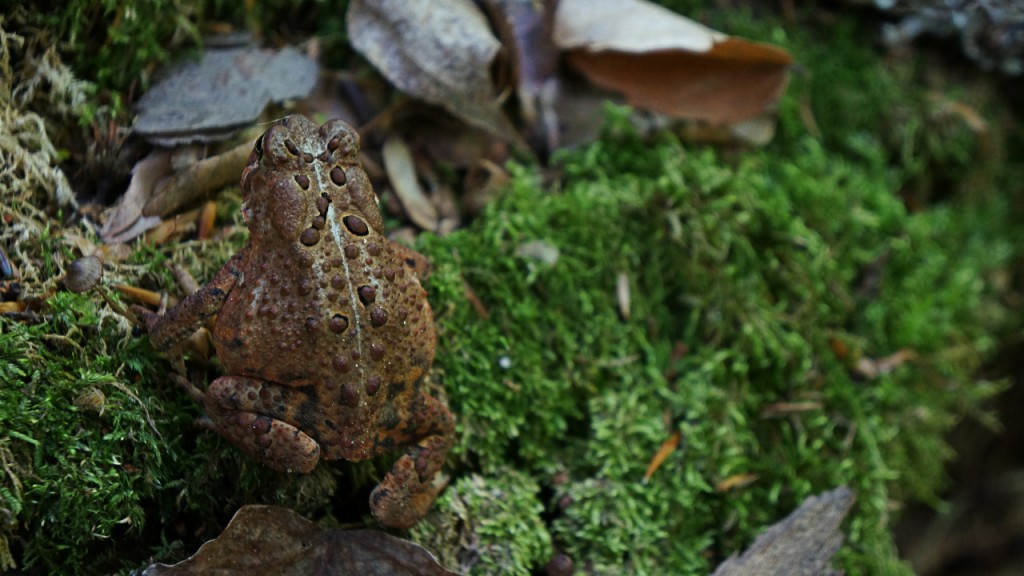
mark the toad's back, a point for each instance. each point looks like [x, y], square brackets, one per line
[325, 305]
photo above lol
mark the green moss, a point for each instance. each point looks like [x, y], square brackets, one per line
[114, 44]
[76, 435]
[779, 272]
[502, 518]
[760, 267]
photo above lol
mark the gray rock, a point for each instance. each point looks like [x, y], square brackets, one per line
[225, 89]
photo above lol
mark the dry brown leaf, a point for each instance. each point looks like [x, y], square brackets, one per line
[207, 219]
[145, 174]
[12, 307]
[483, 183]
[172, 228]
[273, 540]
[156, 192]
[439, 51]
[872, 368]
[139, 294]
[401, 169]
[199, 179]
[666, 63]
[735, 481]
[664, 451]
[525, 28]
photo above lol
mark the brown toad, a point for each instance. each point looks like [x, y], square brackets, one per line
[322, 327]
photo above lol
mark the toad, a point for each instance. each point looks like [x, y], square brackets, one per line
[323, 329]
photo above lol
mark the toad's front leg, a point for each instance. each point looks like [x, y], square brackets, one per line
[406, 493]
[181, 321]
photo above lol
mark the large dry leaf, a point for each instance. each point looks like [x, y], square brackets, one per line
[273, 540]
[437, 50]
[525, 28]
[155, 192]
[196, 181]
[126, 219]
[628, 26]
[666, 63]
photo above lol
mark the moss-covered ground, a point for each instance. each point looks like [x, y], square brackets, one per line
[765, 289]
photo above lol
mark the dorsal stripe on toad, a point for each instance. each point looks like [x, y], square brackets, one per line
[339, 240]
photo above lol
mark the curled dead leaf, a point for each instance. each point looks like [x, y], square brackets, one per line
[736, 481]
[439, 51]
[123, 223]
[633, 26]
[525, 28]
[159, 188]
[663, 62]
[199, 179]
[872, 368]
[401, 169]
[664, 451]
[274, 540]
[139, 294]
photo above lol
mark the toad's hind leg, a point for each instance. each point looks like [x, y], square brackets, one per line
[247, 412]
[406, 493]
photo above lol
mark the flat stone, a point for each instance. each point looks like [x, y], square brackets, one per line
[225, 89]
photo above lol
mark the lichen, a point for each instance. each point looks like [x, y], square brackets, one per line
[28, 159]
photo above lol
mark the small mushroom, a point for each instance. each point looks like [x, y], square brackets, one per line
[84, 274]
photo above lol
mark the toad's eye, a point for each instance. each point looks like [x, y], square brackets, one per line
[258, 148]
